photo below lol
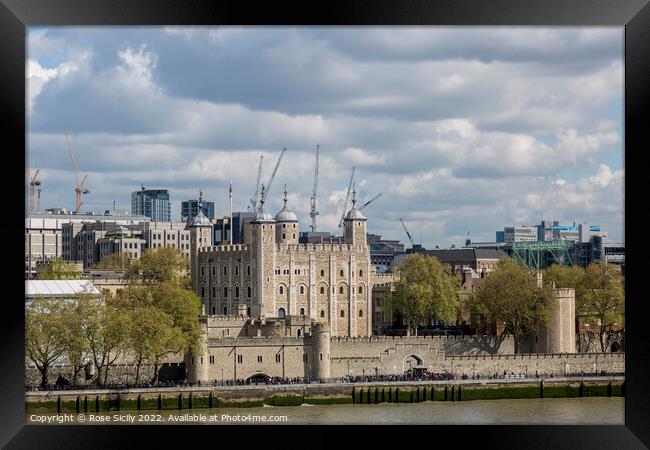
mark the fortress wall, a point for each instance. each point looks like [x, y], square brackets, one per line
[556, 364]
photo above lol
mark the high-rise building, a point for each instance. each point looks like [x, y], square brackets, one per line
[190, 208]
[153, 203]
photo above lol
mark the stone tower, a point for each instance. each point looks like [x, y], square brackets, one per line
[560, 334]
[320, 351]
[197, 364]
[355, 224]
[263, 263]
[200, 237]
[286, 228]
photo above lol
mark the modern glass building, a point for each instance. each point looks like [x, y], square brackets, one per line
[153, 203]
[190, 208]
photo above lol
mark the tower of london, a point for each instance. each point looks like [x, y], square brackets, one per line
[275, 276]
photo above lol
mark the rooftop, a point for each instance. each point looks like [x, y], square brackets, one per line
[59, 288]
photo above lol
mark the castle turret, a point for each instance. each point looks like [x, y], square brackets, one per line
[320, 351]
[559, 336]
[286, 229]
[355, 224]
[200, 237]
[263, 262]
[196, 363]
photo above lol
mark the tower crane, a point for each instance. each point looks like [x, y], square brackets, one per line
[312, 199]
[347, 197]
[266, 190]
[407, 232]
[370, 201]
[79, 189]
[253, 205]
[32, 184]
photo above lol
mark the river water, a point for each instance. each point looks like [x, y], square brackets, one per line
[550, 411]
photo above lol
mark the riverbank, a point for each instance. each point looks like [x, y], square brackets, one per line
[251, 396]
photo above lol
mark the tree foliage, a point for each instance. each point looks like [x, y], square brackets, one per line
[59, 269]
[115, 261]
[44, 342]
[426, 290]
[154, 316]
[510, 294]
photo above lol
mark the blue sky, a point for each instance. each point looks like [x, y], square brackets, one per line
[460, 128]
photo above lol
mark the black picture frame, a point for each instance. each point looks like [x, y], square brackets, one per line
[16, 15]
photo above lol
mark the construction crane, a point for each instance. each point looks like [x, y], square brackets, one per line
[266, 190]
[370, 201]
[347, 197]
[312, 199]
[253, 205]
[32, 184]
[407, 232]
[79, 189]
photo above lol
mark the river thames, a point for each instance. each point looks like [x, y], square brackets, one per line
[550, 411]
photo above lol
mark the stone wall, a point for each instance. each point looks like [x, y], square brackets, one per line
[543, 364]
[117, 374]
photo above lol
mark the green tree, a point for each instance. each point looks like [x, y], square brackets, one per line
[603, 300]
[426, 290]
[510, 294]
[106, 328]
[115, 261]
[44, 342]
[59, 269]
[161, 265]
[571, 277]
[77, 349]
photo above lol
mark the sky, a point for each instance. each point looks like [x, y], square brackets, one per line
[463, 130]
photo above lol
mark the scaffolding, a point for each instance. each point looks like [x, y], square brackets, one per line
[543, 254]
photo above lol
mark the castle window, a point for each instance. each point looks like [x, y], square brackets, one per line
[361, 273]
[277, 358]
[322, 313]
[214, 310]
[211, 359]
[236, 270]
[281, 313]
[202, 291]
[236, 291]
[302, 311]
[202, 271]
[361, 313]
[214, 292]
[322, 273]
[284, 226]
[341, 272]
[248, 291]
[259, 358]
[341, 290]
[294, 235]
[248, 313]
[298, 333]
[281, 290]
[240, 359]
[294, 225]
[322, 290]
[283, 236]
[214, 270]
[225, 292]
[225, 310]
[342, 313]
[302, 289]
[360, 289]
[304, 358]
[225, 270]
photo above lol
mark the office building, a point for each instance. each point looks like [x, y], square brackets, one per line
[190, 208]
[153, 203]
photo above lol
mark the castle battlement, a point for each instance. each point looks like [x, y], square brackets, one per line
[543, 356]
[224, 248]
[226, 318]
[252, 341]
[306, 248]
[412, 339]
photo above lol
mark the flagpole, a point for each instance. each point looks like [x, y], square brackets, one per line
[230, 194]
